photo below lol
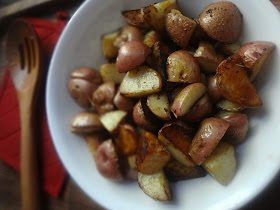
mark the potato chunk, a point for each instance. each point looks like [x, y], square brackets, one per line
[155, 185]
[221, 164]
[140, 82]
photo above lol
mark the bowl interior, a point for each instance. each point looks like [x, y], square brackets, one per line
[258, 158]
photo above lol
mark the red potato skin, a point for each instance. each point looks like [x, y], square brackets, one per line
[106, 160]
[209, 134]
[89, 74]
[131, 55]
[213, 89]
[123, 103]
[128, 33]
[237, 129]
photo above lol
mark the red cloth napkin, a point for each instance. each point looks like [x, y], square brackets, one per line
[53, 172]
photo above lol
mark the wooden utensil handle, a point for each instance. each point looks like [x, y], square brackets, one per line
[29, 161]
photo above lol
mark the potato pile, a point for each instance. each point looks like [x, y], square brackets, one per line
[168, 104]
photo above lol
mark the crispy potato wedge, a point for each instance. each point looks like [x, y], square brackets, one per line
[226, 105]
[176, 171]
[155, 14]
[179, 28]
[182, 67]
[187, 98]
[127, 140]
[221, 164]
[110, 51]
[110, 73]
[155, 185]
[209, 134]
[234, 83]
[238, 126]
[152, 156]
[177, 141]
[136, 18]
[141, 82]
[159, 105]
[254, 54]
[112, 120]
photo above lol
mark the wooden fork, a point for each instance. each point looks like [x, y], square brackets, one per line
[25, 63]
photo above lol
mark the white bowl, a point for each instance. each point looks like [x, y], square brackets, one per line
[258, 158]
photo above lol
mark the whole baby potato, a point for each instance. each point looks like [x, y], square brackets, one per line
[222, 21]
[131, 55]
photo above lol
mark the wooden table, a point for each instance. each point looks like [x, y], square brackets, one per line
[72, 198]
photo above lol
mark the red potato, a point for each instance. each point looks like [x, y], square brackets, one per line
[123, 103]
[151, 38]
[103, 97]
[182, 67]
[209, 134]
[108, 48]
[89, 74]
[238, 126]
[86, 122]
[207, 58]
[254, 54]
[131, 55]
[136, 18]
[110, 73]
[212, 88]
[179, 28]
[187, 98]
[201, 109]
[226, 105]
[141, 120]
[107, 162]
[127, 34]
[234, 83]
[229, 49]
[94, 140]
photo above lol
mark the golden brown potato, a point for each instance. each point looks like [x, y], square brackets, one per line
[151, 38]
[110, 51]
[179, 28]
[200, 110]
[159, 105]
[112, 120]
[155, 14]
[238, 126]
[254, 54]
[152, 156]
[123, 103]
[86, 122]
[182, 67]
[226, 105]
[222, 21]
[234, 83]
[207, 58]
[221, 164]
[229, 49]
[103, 97]
[176, 171]
[131, 55]
[127, 34]
[127, 140]
[106, 160]
[177, 140]
[136, 18]
[209, 134]
[141, 82]
[155, 185]
[187, 98]
[140, 118]
[110, 73]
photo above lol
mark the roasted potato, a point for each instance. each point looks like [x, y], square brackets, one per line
[136, 18]
[212, 88]
[123, 103]
[110, 51]
[110, 73]
[141, 82]
[155, 185]
[226, 105]
[127, 34]
[182, 67]
[94, 140]
[152, 156]
[151, 38]
[209, 134]
[221, 164]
